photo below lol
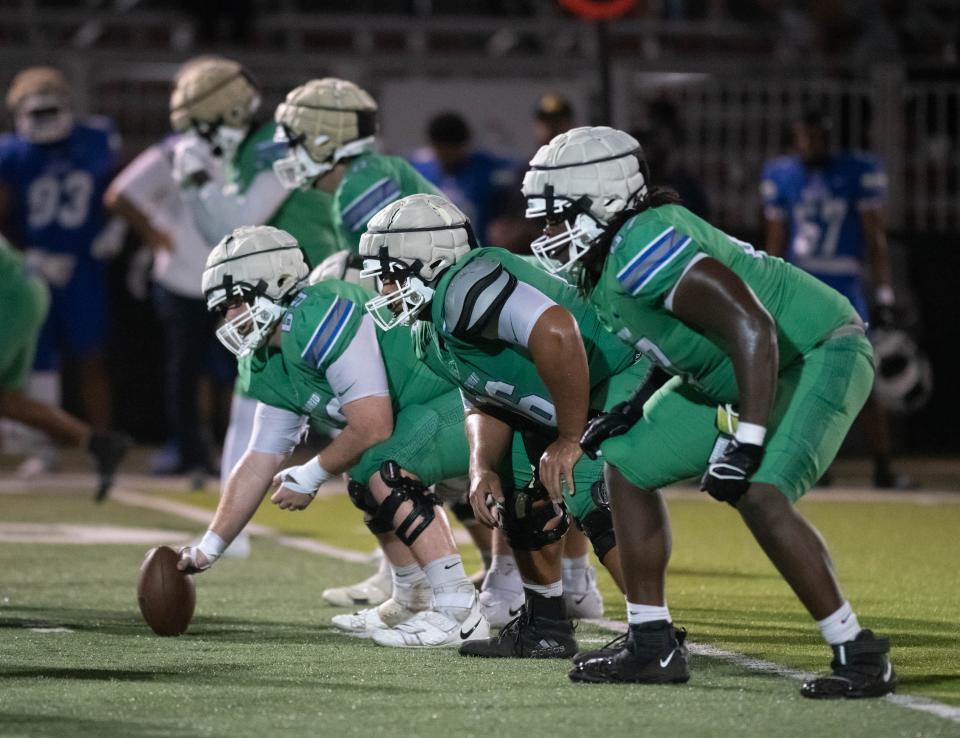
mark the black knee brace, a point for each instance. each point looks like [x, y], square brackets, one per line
[523, 514]
[362, 498]
[402, 489]
[597, 525]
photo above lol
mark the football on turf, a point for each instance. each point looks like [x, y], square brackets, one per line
[166, 595]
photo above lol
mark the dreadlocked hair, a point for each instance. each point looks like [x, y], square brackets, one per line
[655, 197]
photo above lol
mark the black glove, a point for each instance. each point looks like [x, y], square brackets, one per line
[728, 478]
[622, 416]
[618, 421]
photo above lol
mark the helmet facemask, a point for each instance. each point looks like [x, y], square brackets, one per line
[224, 140]
[410, 295]
[252, 327]
[299, 170]
[559, 253]
[44, 118]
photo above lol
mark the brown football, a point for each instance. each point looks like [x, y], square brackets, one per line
[166, 595]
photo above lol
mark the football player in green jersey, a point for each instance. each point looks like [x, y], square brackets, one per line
[310, 352]
[223, 162]
[530, 356]
[25, 300]
[328, 127]
[731, 325]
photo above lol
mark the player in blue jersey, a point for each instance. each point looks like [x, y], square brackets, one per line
[823, 212]
[53, 172]
[476, 181]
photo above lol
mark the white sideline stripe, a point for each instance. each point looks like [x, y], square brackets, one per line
[921, 704]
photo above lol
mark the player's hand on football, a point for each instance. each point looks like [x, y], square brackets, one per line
[556, 467]
[193, 560]
[484, 488]
[728, 478]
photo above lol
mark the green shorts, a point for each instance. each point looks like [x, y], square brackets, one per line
[428, 441]
[25, 302]
[818, 398]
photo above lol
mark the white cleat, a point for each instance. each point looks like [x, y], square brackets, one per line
[581, 595]
[364, 623]
[372, 591]
[501, 597]
[435, 629]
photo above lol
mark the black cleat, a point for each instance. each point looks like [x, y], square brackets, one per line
[610, 649]
[653, 653]
[861, 668]
[526, 637]
[107, 450]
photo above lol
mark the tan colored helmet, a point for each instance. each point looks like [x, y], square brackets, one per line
[328, 119]
[260, 266]
[213, 91]
[37, 81]
[39, 98]
[410, 243]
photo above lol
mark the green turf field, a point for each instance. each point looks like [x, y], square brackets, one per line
[259, 659]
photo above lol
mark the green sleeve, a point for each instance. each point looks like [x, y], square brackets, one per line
[648, 257]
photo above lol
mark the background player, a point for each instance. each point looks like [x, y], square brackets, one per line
[53, 173]
[824, 213]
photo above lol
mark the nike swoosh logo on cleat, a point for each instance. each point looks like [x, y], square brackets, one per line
[466, 635]
[514, 612]
[888, 672]
[450, 566]
[664, 663]
[581, 599]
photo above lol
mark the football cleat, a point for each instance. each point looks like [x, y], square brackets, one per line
[580, 593]
[501, 596]
[435, 629]
[364, 623]
[610, 649]
[654, 653]
[527, 637]
[861, 668]
[107, 450]
[372, 591]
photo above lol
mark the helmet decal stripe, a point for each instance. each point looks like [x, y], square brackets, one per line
[327, 331]
[245, 256]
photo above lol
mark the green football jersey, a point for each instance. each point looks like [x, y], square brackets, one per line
[321, 322]
[24, 300]
[497, 372]
[371, 182]
[306, 214]
[647, 258]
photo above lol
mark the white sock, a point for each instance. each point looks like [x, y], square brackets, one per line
[406, 580]
[581, 562]
[546, 590]
[638, 614]
[453, 593]
[841, 626]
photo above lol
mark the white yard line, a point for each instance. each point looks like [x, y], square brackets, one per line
[912, 702]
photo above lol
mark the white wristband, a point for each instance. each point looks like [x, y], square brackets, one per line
[212, 546]
[750, 433]
[306, 478]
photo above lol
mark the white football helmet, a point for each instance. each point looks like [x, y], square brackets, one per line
[322, 122]
[39, 99]
[342, 265]
[904, 381]
[407, 246]
[217, 98]
[261, 267]
[582, 179]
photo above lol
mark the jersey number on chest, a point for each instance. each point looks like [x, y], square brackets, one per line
[65, 201]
